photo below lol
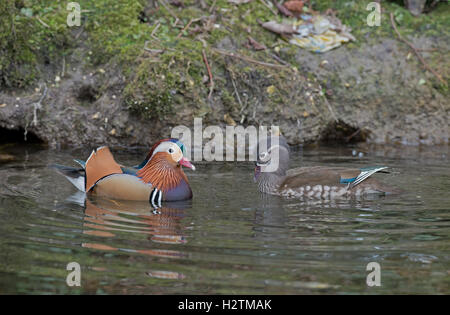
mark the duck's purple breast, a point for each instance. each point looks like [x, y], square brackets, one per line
[181, 192]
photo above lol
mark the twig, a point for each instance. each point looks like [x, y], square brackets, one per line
[79, 33]
[274, 56]
[63, 70]
[211, 81]
[170, 12]
[153, 51]
[154, 31]
[42, 22]
[347, 139]
[269, 7]
[437, 75]
[187, 26]
[282, 9]
[427, 49]
[212, 6]
[330, 108]
[230, 54]
[237, 95]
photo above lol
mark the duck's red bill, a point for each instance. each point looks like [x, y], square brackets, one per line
[185, 162]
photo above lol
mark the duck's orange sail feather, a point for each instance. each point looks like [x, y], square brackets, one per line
[101, 163]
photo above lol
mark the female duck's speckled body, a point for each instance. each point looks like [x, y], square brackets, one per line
[319, 182]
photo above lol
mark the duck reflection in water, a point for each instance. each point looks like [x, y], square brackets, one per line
[108, 218]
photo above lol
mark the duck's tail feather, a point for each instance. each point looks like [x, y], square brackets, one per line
[75, 175]
[366, 173]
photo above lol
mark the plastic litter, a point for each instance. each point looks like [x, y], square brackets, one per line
[318, 34]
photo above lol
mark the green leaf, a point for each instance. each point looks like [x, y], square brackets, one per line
[27, 12]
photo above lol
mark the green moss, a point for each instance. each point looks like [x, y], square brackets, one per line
[115, 31]
[172, 76]
[16, 56]
[30, 33]
[153, 89]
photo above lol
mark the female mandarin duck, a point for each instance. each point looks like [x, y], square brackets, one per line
[158, 178]
[319, 182]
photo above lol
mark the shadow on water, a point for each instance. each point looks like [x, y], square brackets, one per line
[229, 239]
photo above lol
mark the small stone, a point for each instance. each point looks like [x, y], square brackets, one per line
[113, 132]
[113, 97]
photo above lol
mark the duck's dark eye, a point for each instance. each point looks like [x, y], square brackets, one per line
[170, 150]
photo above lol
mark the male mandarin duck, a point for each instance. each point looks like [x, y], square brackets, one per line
[318, 182]
[158, 178]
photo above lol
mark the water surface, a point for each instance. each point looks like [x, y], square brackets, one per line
[229, 239]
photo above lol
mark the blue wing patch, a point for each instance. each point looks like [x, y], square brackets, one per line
[347, 180]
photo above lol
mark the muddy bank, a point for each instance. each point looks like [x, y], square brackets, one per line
[374, 90]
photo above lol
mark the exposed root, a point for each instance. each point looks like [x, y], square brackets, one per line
[437, 75]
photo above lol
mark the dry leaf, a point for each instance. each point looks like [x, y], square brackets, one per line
[282, 9]
[255, 44]
[282, 29]
[294, 6]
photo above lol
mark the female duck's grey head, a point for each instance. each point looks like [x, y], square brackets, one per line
[272, 161]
